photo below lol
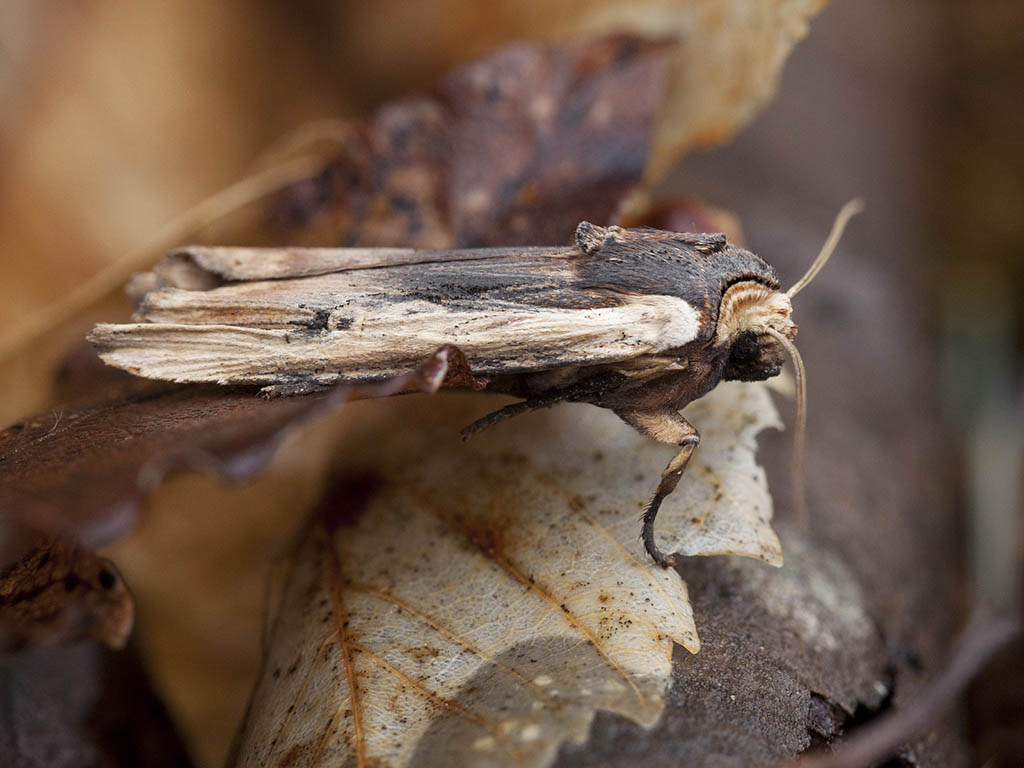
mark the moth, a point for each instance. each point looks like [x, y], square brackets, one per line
[640, 321]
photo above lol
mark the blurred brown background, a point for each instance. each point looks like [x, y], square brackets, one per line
[115, 117]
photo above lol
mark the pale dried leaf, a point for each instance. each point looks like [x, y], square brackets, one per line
[477, 604]
[728, 508]
[726, 69]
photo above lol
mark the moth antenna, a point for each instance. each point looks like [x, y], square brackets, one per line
[800, 433]
[846, 213]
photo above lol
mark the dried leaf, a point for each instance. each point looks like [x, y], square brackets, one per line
[515, 148]
[477, 604]
[725, 68]
[725, 71]
[85, 472]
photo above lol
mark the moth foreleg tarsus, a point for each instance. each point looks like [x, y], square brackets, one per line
[647, 534]
[666, 427]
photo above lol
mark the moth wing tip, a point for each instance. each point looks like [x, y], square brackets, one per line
[99, 334]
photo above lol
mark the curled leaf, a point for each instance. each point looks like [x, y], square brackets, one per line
[84, 472]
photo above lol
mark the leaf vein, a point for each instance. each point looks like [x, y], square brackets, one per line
[333, 571]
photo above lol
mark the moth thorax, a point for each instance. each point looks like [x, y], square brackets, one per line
[751, 307]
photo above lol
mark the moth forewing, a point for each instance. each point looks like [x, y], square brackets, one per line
[235, 263]
[370, 342]
[640, 321]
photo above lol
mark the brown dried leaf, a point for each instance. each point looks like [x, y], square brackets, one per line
[724, 69]
[84, 472]
[478, 604]
[515, 148]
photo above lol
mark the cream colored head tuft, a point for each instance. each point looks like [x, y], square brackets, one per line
[752, 306]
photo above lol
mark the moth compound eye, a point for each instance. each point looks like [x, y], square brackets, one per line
[745, 349]
[752, 357]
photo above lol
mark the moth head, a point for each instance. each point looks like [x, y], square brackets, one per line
[751, 318]
[755, 320]
[756, 323]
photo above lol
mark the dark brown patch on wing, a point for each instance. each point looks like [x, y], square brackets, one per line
[541, 281]
[610, 262]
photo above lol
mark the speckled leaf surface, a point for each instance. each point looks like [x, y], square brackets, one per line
[476, 604]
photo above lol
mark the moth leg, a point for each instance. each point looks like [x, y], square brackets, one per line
[579, 391]
[666, 427]
[508, 412]
[290, 389]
